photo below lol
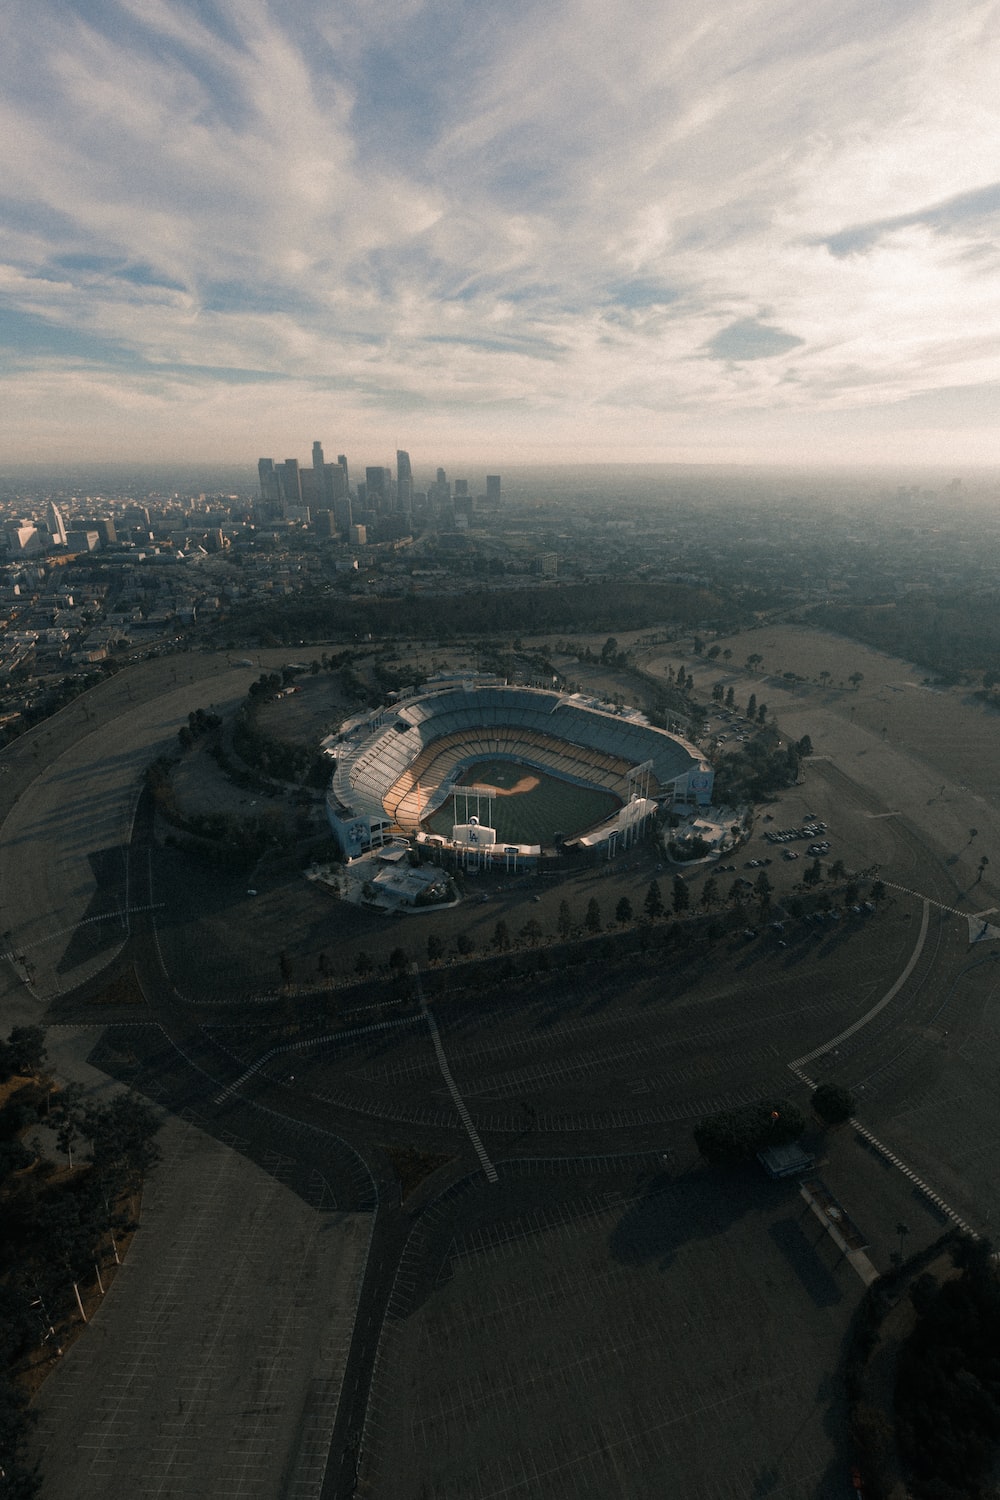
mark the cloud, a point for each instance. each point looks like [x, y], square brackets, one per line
[538, 222]
[748, 338]
[978, 211]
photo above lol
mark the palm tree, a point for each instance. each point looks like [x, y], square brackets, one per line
[983, 862]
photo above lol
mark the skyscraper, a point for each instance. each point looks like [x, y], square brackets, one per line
[268, 476]
[289, 482]
[493, 491]
[377, 480]
[404, 481]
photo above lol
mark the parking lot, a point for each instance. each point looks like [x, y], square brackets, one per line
[588, 1343]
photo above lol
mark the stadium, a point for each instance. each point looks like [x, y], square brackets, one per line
[505, 775]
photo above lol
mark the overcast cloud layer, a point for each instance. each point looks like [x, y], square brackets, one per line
[601, 229]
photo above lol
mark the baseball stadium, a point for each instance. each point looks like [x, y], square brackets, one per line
[500, 774]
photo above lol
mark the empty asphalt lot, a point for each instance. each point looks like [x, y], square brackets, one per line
[607, 1310]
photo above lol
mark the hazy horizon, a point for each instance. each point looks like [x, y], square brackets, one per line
[627, 483]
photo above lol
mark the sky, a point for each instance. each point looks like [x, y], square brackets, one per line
[761, 231]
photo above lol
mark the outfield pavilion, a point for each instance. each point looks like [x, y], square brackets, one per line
[400, 763]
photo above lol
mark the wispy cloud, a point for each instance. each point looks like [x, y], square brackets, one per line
[564, 224]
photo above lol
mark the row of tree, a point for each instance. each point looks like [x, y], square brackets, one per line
[56, 1227]
[948, 1381]
[587, 608]
[736, 1135]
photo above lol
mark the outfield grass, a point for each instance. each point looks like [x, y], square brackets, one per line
[530, 817]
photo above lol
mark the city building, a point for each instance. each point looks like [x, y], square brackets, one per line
[404, 481]
[57, 526]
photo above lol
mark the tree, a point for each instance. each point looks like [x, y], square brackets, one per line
[532, 930]
[813, 873]
[285, 966]
[501, 936]
[464, 944]
[762, 713]
[877, 891]
[851, 893]
[983, 862]
[727, 654]
[363, 963]
[653, 904]
[736, 1135]
[824, 677]
[710, 892]
[718, 692]
[64, 1115]
[838, 870]
[623, 911]
[435, 948]
[762, 890]
[592, 920]
[398, 961]
[730, 698]
[833, 1104]
[25, 1051]
[804, 746]
[856, 679]
[121, 1138]
[754, 660]
[680, 896]
[752, 706]
[564, 921]
[973, 834]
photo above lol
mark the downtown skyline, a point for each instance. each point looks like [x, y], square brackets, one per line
[584, 233]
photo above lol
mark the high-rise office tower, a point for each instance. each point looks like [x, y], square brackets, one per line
[289, 483]
[317, 493]
[335, 487]
[342, 461]
[377, 480]
[404, 481]
[268, 476]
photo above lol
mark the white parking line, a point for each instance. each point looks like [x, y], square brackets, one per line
[881, 1004]
[466, 1118]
